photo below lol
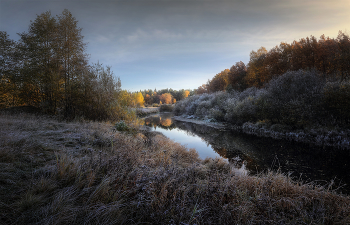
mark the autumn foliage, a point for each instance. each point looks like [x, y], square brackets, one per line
[139, 99]
[291, 87]
[48, 69]
[164, 96]
[329, 56]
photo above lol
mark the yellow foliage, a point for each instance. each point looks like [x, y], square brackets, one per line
[187, 93]
[140, 101]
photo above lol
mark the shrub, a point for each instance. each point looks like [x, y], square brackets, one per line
[296, 93]
[121, 126]
[216, 114]
[203, 108]
[298, 99]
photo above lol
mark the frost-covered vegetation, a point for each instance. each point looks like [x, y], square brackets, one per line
[55, 172]
[287, 106]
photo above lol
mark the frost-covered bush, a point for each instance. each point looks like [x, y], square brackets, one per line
[297, 99]
[203, 109]
[218, 101]
[184, 106]
[191, 108]
[245, 106]
[217, 114]
[245, 110]
[295, 85]
[179, 107]
[249, 92]
[294, 98]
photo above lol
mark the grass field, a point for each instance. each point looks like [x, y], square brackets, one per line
[54, 172]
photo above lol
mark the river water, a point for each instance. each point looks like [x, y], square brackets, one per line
[252, 155]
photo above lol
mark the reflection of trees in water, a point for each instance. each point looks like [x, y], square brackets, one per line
[258, 154]
[227, 144]
[161, 120]
[166, 122]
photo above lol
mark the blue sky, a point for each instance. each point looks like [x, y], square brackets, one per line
[181, 44]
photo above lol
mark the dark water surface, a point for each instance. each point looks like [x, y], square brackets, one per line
[253, 154]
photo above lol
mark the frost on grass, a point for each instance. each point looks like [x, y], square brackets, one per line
[111, 177]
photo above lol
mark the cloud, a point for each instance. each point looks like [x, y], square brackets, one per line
[191, 40]
[151, 35]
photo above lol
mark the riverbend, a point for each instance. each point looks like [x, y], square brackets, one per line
[252, 155]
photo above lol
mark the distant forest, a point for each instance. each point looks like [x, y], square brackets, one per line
[165, 96]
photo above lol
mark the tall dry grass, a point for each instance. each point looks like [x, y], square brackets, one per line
[88, 173]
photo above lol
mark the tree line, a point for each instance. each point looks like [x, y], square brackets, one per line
[300, 86]
[164, 96]
[329, 56]
[48, 68]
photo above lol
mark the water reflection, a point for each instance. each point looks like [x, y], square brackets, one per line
[163, 120]
[257, 154]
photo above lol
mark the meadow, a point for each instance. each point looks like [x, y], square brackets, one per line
[83, 172]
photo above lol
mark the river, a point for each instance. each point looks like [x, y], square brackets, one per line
[252, 155]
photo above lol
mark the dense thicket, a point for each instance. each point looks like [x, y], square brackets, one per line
[48, 68]
[298, 99]
[299, 86]
[330, 57]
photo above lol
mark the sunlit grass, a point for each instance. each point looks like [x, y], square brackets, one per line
[89, 173]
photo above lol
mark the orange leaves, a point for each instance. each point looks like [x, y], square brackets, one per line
[186, 93]
[166, 98]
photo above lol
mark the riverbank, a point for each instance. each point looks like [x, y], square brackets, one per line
[209, 123]
[319, 136]
[89, 173]
[144, 111]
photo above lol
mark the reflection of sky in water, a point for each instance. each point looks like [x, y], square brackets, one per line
[254, 154]
[189, 141]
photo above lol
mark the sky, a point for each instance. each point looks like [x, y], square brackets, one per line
[180, 44]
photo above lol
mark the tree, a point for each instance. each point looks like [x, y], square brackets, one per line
[344, 58]
[236, 76]
[8, 71]
[202, 89]
[186, 93]
[166, 98]
[72, 55]
[139, 99]
[40, 63]
[257, 73]
[219, 82]
[53, 63]
[148, 99]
